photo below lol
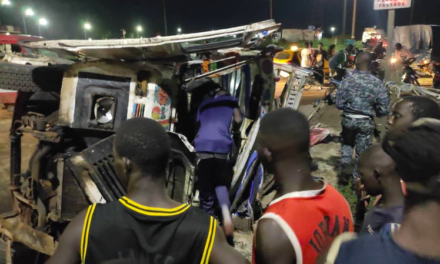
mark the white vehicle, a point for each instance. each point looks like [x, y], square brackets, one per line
[373, 34]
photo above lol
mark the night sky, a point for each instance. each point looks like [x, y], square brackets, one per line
[66, 17]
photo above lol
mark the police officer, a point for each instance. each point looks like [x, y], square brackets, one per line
[360, 96]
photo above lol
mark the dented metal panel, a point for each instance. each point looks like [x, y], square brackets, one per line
[163, 47]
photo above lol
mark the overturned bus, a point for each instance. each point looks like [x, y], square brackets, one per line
[74, 111]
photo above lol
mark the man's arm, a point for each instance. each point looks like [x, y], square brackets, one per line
[272, 244]
[382, 102]
[411, 58]
[340, 96]
[223, 253]
[238, 117]
[68, 251]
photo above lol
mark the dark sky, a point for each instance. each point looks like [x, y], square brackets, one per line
[66, 17]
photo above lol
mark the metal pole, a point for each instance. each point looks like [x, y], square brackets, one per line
[390, 48]
[353, 26]
[271, 9]
[412, 12]
[165, 17]
[344, 18]
[24, 23]
[39, 29]
[85, 33]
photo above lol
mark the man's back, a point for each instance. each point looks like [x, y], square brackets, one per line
[364, 94]
[215, 117]
[377, 249]
[311, 219]
[128, 230]
[338, 60]
[305, 58]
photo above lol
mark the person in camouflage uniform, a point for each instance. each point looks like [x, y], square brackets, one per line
[360, 96]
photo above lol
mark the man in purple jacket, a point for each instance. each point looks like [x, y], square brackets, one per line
[214, 143]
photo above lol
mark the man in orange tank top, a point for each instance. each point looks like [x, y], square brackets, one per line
[306, 214]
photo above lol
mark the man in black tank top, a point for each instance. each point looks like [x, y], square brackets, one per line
[146, 226]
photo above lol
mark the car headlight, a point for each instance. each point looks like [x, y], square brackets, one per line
[104, 110]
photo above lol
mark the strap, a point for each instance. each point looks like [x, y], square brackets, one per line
[85, 232]
[209, 241]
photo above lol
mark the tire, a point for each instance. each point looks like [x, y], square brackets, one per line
[16, 77]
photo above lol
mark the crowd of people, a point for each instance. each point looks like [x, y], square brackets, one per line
[308, 221]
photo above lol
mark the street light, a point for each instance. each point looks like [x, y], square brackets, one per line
[5, 3]
[139, 29]
[41, 22]
[28, 12]
[179, 30]
[333, 31]
[87, 26]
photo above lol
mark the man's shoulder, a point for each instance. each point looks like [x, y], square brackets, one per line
[358, 250]
[367, 79]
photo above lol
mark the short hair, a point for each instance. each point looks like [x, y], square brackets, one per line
[399, 46]
[286, 127]
[416, 153]
[364, 57]
[423, 107]
[349, 47]
[144, 142]
[306, 44]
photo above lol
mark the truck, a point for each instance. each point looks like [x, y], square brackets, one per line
[74, 111]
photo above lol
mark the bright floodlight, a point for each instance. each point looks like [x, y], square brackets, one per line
[29, 12]
[87, 26]
[333, 29]
[42, 21]
[139, 28]
[179, 30]
[6, 2]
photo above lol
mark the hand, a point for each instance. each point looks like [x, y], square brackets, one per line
[359, 187]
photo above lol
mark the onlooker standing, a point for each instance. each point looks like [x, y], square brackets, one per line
[339, 62]
[410, 109]
[213, 144]
[402, 59]
[320, 57]
[379, 177]
[306, 214]
[331, 51]
[380, 51]
[417, 157]
[360, 96]
[306, 60]
[146, 226]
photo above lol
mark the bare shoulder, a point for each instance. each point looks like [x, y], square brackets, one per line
[68, 251]
[272, 243]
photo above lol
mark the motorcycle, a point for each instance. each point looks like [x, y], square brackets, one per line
[410, 76]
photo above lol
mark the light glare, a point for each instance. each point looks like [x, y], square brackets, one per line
[29, 12]
[42, 21]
